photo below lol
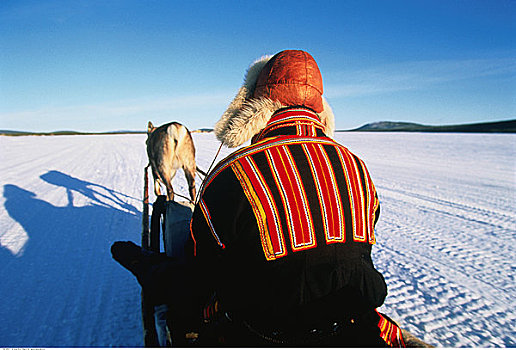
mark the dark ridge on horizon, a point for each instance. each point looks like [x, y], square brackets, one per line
[506, 126]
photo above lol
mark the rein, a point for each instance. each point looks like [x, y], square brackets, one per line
[209, 169]
[199, 173]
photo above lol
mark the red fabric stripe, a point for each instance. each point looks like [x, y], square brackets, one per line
[266, 202]
[390, 332]
[207, 216]
[353, 177]
[328, 194]
[305, 121]
[333, 197]
[294, 199]
[301, 114]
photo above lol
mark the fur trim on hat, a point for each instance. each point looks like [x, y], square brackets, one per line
[246, 116]
[327, 118]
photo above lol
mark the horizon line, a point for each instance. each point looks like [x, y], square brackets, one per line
[7, 132]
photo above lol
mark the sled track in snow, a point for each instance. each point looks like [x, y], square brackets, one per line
[446, 246]
[502, 219]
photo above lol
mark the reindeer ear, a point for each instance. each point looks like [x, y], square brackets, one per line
[150, 127]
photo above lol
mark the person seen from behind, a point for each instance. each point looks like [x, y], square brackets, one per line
[282, 233]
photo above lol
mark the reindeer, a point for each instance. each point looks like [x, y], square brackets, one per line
[170, 147]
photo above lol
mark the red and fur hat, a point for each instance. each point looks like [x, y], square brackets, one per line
[289, 78]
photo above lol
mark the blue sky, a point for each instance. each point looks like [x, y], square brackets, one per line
[113, 65]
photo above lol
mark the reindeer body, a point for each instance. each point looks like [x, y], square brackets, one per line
[170, 147]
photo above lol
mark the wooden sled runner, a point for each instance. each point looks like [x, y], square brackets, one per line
[172, 220]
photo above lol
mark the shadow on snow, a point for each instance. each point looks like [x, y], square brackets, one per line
[62, 286]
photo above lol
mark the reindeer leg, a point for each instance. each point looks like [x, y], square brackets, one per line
[157, 187]
[170, 190]
[190, 178]
[168, 184]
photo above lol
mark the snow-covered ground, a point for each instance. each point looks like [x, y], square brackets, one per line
[446, 235]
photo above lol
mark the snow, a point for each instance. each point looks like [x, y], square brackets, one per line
[446, 235]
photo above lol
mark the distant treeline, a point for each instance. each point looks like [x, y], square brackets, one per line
[64, 132]
[508, 126]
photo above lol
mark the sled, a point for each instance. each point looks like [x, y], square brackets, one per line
[173, 220]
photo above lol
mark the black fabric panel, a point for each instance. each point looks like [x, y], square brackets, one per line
[320, 133]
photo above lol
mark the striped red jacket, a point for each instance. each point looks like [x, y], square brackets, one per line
[287, 221]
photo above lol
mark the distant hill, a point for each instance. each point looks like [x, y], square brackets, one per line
[508, 126]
